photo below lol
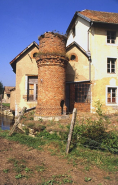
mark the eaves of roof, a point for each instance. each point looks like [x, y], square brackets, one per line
[79, 47]
[91, 19]
[13, 62]
[74, 18]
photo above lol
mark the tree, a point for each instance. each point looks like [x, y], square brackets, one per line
[1, 88]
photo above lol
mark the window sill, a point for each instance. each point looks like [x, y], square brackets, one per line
[111, 74]
[111, 104]
[30, 101]
[111, 44]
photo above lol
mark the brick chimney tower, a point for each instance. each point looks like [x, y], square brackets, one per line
[51, 61]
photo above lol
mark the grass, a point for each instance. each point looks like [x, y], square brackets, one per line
[19, 167]
[6, 104]
[91, 143]
[78, 155]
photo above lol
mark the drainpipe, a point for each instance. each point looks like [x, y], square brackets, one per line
[89, 54]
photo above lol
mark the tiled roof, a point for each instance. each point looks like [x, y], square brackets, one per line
[7, 89]
[98, 16]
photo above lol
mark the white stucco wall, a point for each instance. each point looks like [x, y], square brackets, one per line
[81, 33]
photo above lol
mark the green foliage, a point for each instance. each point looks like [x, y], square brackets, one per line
[19, 176]
[27, 140]
[1, 88]
[46, 135]
[31, 125]
[27, 170]
[41, 120]
[40, 168]
[107, 177]
[31, 118]
[86, 179]
[98, 106]
[26, 130]
[93, 134]
[6, 170]
[59, 179]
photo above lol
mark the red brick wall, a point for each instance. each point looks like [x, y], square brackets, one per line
[52, 42]
[82, 107]
[51, 74]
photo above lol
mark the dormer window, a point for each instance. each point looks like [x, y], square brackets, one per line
[111, 37]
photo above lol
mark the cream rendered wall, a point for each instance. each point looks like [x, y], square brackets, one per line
[77, 70]
[100, 51]
[12, 100]
[25, 67]
[81, 33]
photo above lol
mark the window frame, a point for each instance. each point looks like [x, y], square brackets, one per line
[110, 62]
[109, 34]
[116, 95]
[35, 88]
[82, 92]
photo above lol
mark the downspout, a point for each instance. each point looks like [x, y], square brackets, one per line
[89, 53]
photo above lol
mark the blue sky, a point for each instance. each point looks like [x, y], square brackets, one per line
[22, 21]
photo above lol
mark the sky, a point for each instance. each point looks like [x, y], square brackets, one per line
[22, 21]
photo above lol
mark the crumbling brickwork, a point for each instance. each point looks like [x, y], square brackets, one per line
[51, 62]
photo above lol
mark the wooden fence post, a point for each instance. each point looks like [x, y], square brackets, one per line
[17, 121]
[71, 129]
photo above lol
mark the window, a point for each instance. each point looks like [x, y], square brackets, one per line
[73, 57]
[34, 55]
[111, 65]
[32, 88]
[82, 92]
[111, 95]
[111, 37]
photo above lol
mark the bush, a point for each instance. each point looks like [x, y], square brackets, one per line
[94, 134]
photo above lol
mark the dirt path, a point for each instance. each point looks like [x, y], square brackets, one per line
[20, 165]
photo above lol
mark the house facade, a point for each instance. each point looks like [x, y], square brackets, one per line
[6, 96]
[25, 67]
[94, 36]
